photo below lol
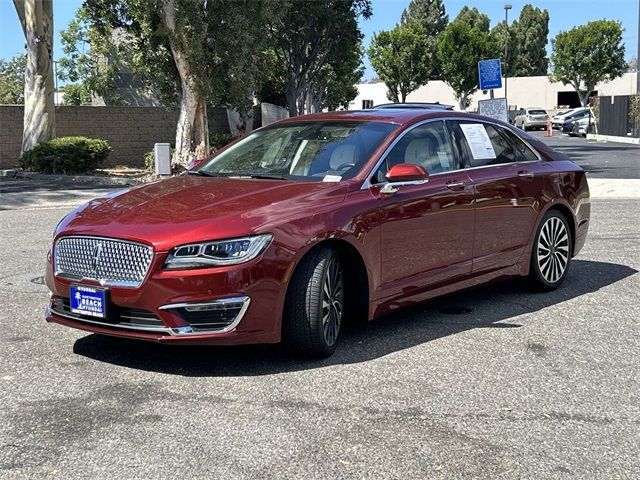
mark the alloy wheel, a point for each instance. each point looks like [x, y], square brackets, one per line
[553, 249]
[332, 301]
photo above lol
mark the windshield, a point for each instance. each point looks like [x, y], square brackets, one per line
[307, 150]
[537, 112]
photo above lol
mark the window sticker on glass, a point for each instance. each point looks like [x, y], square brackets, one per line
[478, 140]
[332, 178]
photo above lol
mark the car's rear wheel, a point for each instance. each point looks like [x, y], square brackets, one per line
[314, 305]
[551, 252]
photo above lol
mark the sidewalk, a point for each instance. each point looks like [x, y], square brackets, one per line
[614, 188]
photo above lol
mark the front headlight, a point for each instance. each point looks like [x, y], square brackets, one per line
[217, 253]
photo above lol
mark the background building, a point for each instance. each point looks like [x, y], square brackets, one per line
[523, 92]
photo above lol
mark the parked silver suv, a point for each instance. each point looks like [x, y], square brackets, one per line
[528, 118]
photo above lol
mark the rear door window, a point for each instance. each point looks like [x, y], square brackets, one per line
[485, 145]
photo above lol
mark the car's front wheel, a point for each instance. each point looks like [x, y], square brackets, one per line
[551, 252]
[314, 305]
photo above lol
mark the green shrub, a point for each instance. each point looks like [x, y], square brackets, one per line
[66, 155]
[148, 160]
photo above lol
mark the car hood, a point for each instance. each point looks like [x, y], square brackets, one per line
[190, 208]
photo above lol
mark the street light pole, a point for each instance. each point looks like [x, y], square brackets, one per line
[507, 7]
[638, 56]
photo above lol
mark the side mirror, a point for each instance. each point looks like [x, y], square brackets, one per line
[404, 174]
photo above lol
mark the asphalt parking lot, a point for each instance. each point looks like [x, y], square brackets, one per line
[491, 383]
[599, 159]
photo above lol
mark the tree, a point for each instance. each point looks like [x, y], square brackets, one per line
[334, 87]
[501, 34]
[429, 14]
[76, 94]
[532, 30]
[432, 17]
[473, 18]
[401, 59]
[36, 18]
[459, 50]
[193, 53]
[12, 80]
[304, 39]
[588, 54]
[89, 59]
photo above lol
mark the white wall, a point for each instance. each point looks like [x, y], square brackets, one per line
[523, 92]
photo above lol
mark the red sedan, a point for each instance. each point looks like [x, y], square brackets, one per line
[317, 220]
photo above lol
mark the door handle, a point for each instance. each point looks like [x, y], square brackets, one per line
[526, 174]
[453, 185]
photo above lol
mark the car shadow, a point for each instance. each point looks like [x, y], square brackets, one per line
[495, 305]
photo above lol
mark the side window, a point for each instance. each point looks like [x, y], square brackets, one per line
[525, 154]
[485, 145]
[428, 145]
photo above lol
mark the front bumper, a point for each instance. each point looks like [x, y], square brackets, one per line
[232, 305]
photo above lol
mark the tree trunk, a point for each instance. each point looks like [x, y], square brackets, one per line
[39, 111]
[584, 99]
[392, 94]
[462, 101]
[292, 95]
[301, 102]
[192, 131]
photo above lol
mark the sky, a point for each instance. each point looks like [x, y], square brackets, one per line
[564, 15]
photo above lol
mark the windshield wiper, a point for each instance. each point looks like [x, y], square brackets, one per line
[268, 176]
[202, 173]
[265, 176]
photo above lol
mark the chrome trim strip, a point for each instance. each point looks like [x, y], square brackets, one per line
[503, 164]
[367, 184]
[114, 325]
[221, 301]
[104, 283]
[392, 187]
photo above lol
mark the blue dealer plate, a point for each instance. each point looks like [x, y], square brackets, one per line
[91, 301]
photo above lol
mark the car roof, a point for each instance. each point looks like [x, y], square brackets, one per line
[386, 115]
[415, 105]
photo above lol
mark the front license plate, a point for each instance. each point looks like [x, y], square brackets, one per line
[91, 301]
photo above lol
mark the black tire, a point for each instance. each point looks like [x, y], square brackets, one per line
[312, 316]
[553, 242]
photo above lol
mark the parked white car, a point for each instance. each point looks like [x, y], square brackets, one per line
[559, 118]
[528, 118]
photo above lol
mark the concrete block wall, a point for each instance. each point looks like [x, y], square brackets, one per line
[131, 131]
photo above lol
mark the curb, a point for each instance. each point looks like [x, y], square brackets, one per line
[93, 179]
[611, 138]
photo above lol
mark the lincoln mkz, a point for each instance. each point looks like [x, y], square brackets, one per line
[311, 222]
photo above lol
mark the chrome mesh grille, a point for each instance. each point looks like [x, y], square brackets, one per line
[110, 261]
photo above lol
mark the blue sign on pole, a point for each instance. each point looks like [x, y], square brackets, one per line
[490, 74]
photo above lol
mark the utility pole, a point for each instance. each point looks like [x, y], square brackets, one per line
[507, 7]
